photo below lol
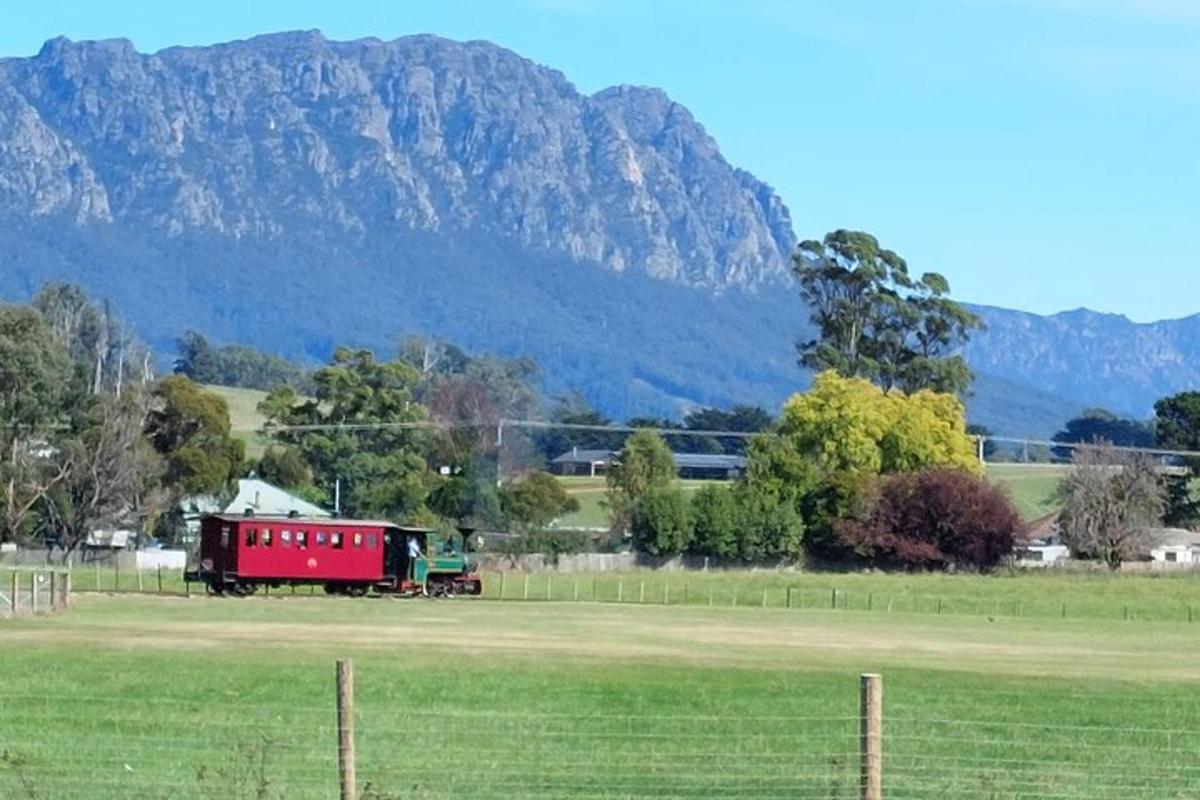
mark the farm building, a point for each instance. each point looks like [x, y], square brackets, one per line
[583, 462]
[1044, 547]
[702, 466]
[692, 466]
[1042, 552]
[1176, 548]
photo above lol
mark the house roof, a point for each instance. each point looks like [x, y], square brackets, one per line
[1174, 537]
[688, 460]
[577, 456]
[708, 461]
[266, 499]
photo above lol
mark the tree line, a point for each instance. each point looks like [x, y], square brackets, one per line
[89, 436]
[872, 465]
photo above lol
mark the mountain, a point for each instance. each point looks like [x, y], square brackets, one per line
[1092, 358]
[296, 193]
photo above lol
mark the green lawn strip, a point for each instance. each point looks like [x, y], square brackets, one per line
[1046, 594]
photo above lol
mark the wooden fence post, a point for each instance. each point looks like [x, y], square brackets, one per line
[97, 563]
[502, 574]
[871, 737]
[138, 570]
[549, 586]
[66, 589]
[14, 596]
[117, 573]
[345, 724]
[53, 591]
[575, 588]
[833, 600]
[526, 591]
[620, 590]
[787, 602]
[160, 578]
[642, 592]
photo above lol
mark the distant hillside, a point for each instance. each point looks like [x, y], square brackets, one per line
[1090, 358]
[296, 193]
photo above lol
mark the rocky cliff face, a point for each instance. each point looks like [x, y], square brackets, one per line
[291, 132]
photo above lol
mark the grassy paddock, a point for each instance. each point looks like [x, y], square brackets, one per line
[1165, 598]
[1044, 594]
[244, 416]
[145, 697]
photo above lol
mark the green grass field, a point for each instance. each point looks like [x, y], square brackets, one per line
[1031, 487]
[147, 697]
[244, 416]
[1032, 594]
[590, 493]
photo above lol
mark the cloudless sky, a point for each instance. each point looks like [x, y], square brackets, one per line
[1043, 154]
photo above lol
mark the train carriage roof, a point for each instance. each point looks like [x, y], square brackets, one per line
[286, 520]
[278, 519]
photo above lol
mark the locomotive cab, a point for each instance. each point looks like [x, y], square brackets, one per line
[420, 561]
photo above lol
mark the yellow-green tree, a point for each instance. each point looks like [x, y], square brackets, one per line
[849, 425]
[835, 439]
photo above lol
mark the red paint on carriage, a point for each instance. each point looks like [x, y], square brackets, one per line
[260, 549]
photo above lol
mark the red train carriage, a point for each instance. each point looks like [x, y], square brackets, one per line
[239, 554]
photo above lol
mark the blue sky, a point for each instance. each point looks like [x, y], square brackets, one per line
[1043, 154]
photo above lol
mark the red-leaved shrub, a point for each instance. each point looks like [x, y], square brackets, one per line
[935, 520]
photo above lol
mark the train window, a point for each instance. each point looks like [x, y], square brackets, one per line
[335, 539]
[265, 539]
[358, 540]
[371, 541]
[301, 538]
[322, 538]
[225, 537]
[285, 538]
[250, 537]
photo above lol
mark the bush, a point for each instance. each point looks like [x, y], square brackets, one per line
[645, 466]
[714, 523]
[768, 526]
[935, 520]
[549, 542]
[536, 500]
[660, 523]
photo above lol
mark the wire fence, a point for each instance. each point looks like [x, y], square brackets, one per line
[141, 745]
[1172, 601]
